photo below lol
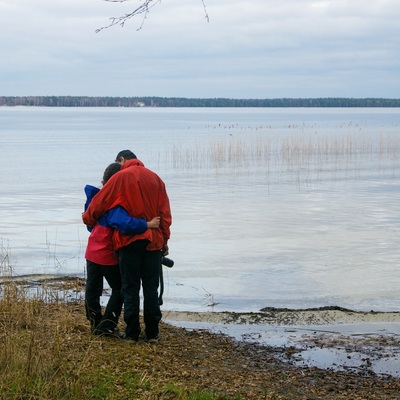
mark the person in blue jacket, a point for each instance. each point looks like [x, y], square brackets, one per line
[102, 260]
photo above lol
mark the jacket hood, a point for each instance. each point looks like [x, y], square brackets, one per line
[90, 192]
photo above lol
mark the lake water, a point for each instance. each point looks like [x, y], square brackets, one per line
[271, 207]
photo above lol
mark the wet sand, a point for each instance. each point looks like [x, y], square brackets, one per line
[330, 337]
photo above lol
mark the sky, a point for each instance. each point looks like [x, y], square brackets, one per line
[245, 49]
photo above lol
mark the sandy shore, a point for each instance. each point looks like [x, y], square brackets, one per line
[281, 316]
[329, 338]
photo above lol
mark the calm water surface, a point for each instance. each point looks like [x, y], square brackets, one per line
[272, 207]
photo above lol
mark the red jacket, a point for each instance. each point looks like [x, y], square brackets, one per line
[143, 195]
[100, 248]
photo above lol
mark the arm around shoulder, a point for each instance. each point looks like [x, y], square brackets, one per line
[118, 218]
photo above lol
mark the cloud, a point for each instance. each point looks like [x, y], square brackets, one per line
[252, 49]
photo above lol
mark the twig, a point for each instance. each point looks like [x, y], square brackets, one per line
[144, 8]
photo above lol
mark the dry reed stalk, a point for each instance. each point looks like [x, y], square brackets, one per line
[32, 342]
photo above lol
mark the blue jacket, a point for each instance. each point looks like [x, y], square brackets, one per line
[100, 248]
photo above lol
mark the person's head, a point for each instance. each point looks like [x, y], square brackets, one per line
[110, 171]
[123, 156]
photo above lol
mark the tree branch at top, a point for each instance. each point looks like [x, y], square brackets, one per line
[142, 9]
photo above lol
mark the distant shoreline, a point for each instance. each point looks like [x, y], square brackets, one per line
[183, 102]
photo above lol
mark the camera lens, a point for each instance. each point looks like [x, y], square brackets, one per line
[167, 262]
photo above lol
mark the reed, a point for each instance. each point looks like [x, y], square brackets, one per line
[304, 154]
[32, 351]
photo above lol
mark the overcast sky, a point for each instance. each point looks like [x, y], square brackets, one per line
[248, 49]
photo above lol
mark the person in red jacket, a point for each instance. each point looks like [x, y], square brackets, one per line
[102, 260]
[142, 194]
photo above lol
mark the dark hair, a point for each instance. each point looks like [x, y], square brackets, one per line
[127, 154]
[110, 171]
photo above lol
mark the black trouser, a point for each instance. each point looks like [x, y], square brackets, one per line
[94, 289]
[140, 267]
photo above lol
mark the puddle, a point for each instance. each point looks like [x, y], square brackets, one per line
[369, 344]
[342, 359]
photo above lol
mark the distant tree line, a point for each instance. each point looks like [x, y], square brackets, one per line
[82, 101]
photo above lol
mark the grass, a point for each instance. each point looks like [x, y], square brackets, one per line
[48, 353]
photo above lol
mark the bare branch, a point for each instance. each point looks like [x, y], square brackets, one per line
[144, 9]
[205, 11]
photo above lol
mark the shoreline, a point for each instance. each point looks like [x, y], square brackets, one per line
[330, 337]
[76, 284]
[284, 316]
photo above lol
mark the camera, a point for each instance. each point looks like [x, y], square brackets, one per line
[167, 262]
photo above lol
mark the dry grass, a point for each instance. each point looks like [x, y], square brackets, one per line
[47, 352]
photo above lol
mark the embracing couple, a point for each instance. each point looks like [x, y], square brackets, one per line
[129, 219]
